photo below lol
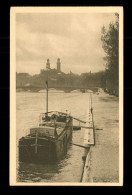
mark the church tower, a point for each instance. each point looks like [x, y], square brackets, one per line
[48, 64]
[58, 65]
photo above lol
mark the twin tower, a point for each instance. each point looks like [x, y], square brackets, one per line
[58, 65]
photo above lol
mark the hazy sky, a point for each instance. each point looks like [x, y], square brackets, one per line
[73, 37]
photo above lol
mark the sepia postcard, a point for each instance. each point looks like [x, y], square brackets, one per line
[66, 96]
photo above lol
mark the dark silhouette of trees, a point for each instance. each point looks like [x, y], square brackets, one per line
[110, 44]
[61, 80]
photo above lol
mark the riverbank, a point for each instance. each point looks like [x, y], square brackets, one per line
[103, 158]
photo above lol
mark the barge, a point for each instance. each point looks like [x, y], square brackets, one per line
[48, 142]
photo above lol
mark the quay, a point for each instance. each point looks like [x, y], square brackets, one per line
[89, 140]
[101, 156]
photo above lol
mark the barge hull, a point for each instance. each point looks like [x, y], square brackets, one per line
[45, 151]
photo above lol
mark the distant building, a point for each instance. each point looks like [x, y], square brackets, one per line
[48, 65]
[52, 70]
[58, 65]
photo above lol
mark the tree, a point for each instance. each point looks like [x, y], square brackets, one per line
[110, 44]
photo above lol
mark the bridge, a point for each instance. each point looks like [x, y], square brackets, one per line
[63, 88]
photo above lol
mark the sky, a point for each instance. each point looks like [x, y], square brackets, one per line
[72, 37]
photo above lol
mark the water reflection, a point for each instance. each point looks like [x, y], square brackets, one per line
[30, 172]
[36, 172]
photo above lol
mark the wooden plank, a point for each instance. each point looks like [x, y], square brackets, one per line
[86, 127]
[29, 137]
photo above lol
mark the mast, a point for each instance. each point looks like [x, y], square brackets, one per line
[47, 97]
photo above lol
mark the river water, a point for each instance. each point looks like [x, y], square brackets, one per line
[28, 107]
